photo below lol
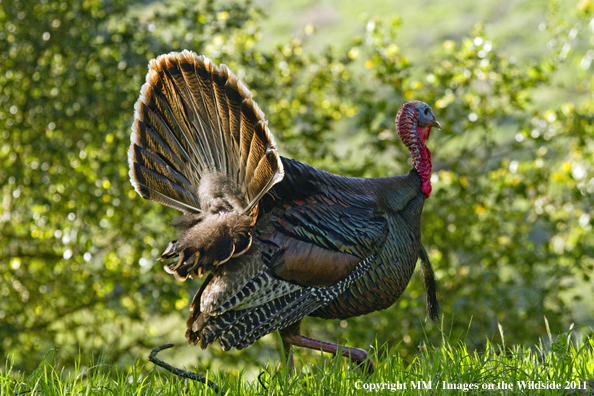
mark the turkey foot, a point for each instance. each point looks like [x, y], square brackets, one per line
[355, 354]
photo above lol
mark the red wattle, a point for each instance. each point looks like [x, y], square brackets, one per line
[423, 165]
[426, 188]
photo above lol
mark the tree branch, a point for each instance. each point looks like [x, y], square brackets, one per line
[179, 372]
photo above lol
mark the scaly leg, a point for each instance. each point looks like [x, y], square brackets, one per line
[292, 336]
[355, 354]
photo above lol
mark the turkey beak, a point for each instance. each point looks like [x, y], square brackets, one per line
[435, 124]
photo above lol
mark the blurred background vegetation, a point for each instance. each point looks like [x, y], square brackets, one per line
[508, 226]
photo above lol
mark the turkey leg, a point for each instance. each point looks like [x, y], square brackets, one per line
[355, 354]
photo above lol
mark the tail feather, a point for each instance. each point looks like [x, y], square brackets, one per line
[168, 102]
[178, 107]
[236, 93]
[198, 118]
[165, 145]
[196, 85]
[264, 177]
[155, 187]
[160, 114]
[257, 149]
[153, 162]
[220, 77]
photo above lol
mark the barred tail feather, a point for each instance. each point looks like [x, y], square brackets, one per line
[192, 118]
[157, 181]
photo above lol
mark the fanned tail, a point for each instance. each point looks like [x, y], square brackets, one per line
[201, 145]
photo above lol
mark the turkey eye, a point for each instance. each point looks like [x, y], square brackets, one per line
[426, 111]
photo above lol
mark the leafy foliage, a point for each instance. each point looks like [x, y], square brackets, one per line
[508, 225]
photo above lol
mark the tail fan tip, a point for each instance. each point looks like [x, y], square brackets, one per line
[200, 144]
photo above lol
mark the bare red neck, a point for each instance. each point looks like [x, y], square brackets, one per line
[413, 137]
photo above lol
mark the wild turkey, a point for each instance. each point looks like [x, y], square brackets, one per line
[279, 239]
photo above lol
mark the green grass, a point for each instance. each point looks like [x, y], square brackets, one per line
[564, 362]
